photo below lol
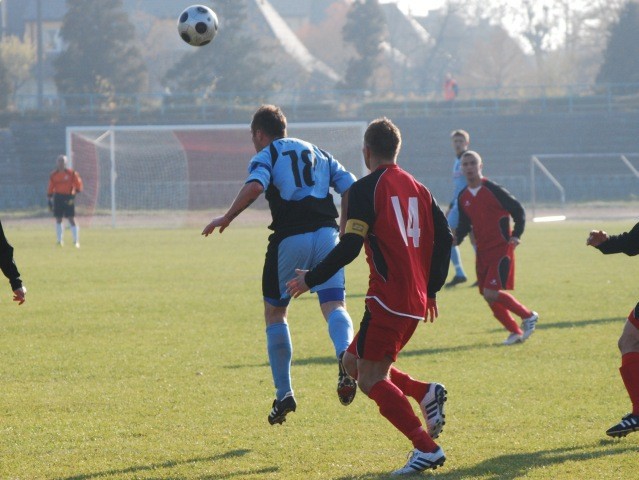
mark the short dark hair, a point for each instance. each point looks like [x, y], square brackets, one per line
[460, 133]
[271, 120]
[474, 154]
[383, 138]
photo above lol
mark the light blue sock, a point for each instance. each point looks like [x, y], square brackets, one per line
[280, 353]
[457, 262]
[58, 232]
[340, 329]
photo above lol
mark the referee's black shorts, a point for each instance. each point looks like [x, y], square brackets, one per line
[63, 205]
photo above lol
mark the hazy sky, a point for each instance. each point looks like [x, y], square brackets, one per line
[417, 7]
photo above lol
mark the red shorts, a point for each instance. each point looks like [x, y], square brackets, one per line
[496, 269]
[634, 316]
[381, 333]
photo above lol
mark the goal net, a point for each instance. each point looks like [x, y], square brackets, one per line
[584, 185]
[165, 175]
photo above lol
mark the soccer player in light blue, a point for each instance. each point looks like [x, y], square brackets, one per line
[296, 176]
[461, 141]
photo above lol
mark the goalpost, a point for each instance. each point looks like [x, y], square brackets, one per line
[142, 175]
[557, 180]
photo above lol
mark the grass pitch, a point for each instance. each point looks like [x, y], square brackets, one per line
[142, 356]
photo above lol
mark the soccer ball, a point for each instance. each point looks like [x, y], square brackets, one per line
[197, 25]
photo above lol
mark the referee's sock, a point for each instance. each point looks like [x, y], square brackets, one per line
[75, 231]
[58, 232]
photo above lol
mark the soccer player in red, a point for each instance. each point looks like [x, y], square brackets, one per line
[64, 184]
[407, 242]
[487, 208]
[9, 269]
[628, 243]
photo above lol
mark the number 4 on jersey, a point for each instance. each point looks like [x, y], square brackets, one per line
[410, 228]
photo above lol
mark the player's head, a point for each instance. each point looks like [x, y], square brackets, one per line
[269, 123]
[461, 141]
[382, 140]
[471, 166]
[61, 162]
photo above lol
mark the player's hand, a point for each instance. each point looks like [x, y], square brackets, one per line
[218, 222]
[50, 204]
[296, 286]
[19, 295]
[514, 241]
[431, 310]
[596, 238]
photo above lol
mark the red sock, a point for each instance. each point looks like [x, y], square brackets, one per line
[512, 304]
[504, 317]
[630, 375]
[394, 406]
[408, 385]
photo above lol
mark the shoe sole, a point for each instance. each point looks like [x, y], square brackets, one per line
[623, 433]
[346, 391]
[433, 466]
[440, 400]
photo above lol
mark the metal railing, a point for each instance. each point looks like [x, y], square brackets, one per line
[347, 103]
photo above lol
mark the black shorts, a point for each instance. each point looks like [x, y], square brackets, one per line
[63, 206]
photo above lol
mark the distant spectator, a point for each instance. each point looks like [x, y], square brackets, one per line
[451, 89]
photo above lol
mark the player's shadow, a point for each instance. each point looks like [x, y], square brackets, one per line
[573, 323]
[580, 323]
[330, 360]
[156, 467]
[518, 465]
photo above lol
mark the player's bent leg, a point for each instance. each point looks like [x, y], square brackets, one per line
[629, 370]
[340, 329]
[395, 407]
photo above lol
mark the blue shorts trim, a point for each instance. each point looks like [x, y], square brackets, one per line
[331, 295]
[276, 302]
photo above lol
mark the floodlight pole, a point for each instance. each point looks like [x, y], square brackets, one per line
[40, 55]
[114, 176]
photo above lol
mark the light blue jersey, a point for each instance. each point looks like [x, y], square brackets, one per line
[296, 176]
[459, 183]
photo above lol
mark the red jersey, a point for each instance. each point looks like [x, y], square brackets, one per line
[407, 239]
[65, 182]
[488, 212]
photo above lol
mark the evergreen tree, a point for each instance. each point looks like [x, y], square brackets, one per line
[101, 54]
[365, 31]
[6, 86]
[232, 62]
[621, 57]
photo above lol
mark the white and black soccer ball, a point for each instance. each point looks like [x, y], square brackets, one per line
[197, 25]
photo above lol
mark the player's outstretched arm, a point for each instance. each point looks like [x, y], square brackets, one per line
[245, 197]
